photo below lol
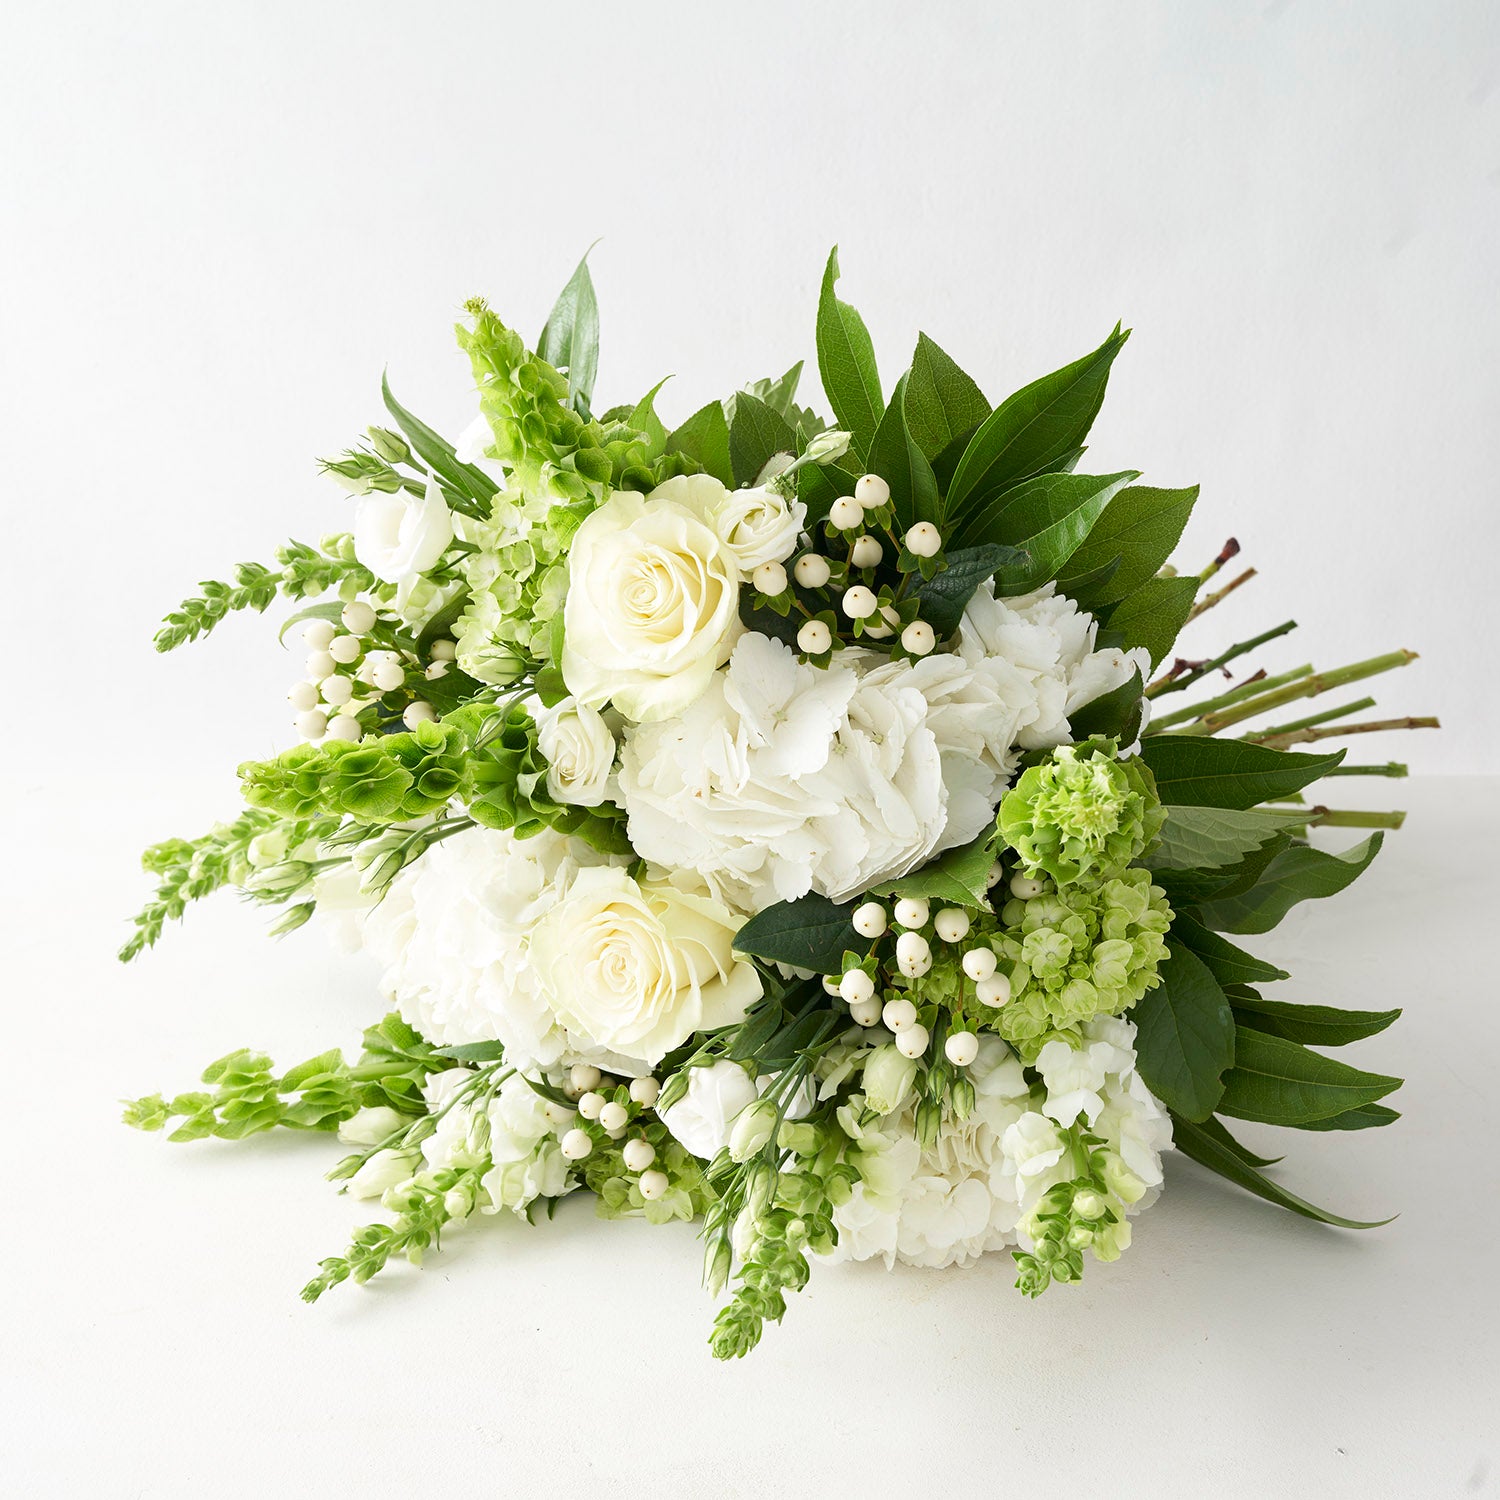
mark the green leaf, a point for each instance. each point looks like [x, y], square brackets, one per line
[1153, 616]
[437, 452]
[1196, 1142]
[959, 877]
[819, 485]
[474, 1052]
[1184, 1035]
[1215, 1128]
[332, 610]
[1228, 964]
[942, 599]
[1034, 429]
[811, 932]
[704, 437]
[756, 433]
[1141, 527]
[780, 395]
[644, 419]
[1115, 716]
[846, 361]
[1313, 1025]
[1213, 838]
[1366, 1117]
[942, 403]
[1296, 874]
[1049, 516]
[896, 457]
[1208, 772]
[1279, 1082]
[570, 341]
[1190, 887]
[1085, 587]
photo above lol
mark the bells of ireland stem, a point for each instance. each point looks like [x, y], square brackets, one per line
[1080, 817]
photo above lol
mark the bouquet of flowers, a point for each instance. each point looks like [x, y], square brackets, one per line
[779, 822]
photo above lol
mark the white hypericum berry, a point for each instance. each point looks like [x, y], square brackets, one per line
[303, 696]
[558, 1114]
[312, 725]
[614, 1116]
[345, 727]
[830, 986]
[1024, 888]
[653, 1185]
[337, 690]
[859, 603]
[918, 638]
[866, 552]
[865, 1012]
[962, 1047]
[913, 955]
[855, 986]
[316, 634]
[871, 491]
[443, 650]
[924, 540]
[576, 1145]
[583, 1076]
[358, 617]
[899, 1015]
[345, 649]
[952, 924]
[870, 919]
[993, 991]
[913, 1041]
[435, 669]
[387, 676]
[995, 876]
[811, 570]
[319, 665]
[911, 911]
[638, 1154]
[589, 1105]
[644, 1091]
[846, 513]
[979, 963]
[769, 578]
[815, 638]
[418, 713]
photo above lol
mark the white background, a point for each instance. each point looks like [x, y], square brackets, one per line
[222, 221]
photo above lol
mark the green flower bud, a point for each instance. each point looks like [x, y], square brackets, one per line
[391, 446]
[717, 1261]
[888, 1078]
[752, 1129]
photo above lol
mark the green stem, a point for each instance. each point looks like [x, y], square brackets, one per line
[1372, 726]
[1260, 683]
[1335, 817]
[1390, 768]
[1170, 684]
[1356, 707]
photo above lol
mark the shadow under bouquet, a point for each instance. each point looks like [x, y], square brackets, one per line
[782, 822]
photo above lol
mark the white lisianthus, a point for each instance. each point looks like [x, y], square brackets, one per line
[652, 606]
[474, 441]
[580, 752]
[372, 1125]
[757, 525]
[704, 1117]
[636, 967]
[385, 1169]
[399, 537]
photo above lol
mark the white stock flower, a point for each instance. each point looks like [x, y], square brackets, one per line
[638, 967]
[398, 537]
[757, 525]
[580, 752]
[652, 606]
[703, 1118]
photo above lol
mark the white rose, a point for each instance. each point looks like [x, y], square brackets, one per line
[397, 537]
[580, 752]
[704, 1117]
[638, 967]
[756, 525]
[652, 607]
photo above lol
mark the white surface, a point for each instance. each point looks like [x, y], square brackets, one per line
[155, 1345]
[223, 220]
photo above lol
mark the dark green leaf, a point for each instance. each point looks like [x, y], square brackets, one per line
[819, 485]
[1049, 516]
[1188, 887]
[896, 457]
[1228, 964]
[811, 932]
[1141, 527]
[1215, 838]
[330, 611]
[570, 341]
[704, 437]
[437, 452]
[1366, 1117]
[943, 598]
[942, 403]
[1153, 616]
[846, 361]
[1034, 429]
[1115, 716]
[1194, 1141]
[1296, 874]
[1086, 587]
[644, 419]
[1184, 1035]
[1280, 1082]
[1208, 772]
[959, 877]
[1313, 1025]
[780, 395]
[1215, 1129]
[756, 434]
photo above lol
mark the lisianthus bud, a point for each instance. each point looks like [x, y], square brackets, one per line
[828, 446]
[384, 1170]
[391, 446]
[752, 1129]
[888, 1079]
[368, 1127]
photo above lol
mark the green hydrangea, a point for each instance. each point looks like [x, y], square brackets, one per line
[1078, 818]
[1076, 952]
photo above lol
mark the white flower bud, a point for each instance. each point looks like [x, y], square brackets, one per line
[358, 617]
[961, 1048]
[870, 919]
[888, 1077]
[370, 1126]
[866, 552]
[859, 603]
[911, 911]
[913, 1041]
[827, 447]
[918, 638]
[924, 540]
[384, 1170]
[815, 638]
[846, 513]
[913, 955]
[769, 578]
[871, 491]
[752, 1129]
[952, 924]
[811, 570]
